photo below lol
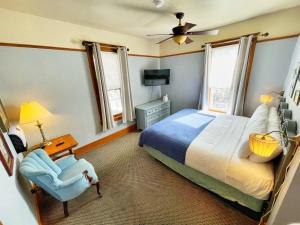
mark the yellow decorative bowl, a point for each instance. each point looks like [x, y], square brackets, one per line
[262, 145]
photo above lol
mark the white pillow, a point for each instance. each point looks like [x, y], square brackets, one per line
[273, 125]
[256, 124]
[261, 112]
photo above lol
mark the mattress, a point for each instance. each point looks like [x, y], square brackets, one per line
[173, 135]
[214, 152]
[220, 188]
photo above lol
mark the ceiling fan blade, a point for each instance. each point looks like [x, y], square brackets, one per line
[188, 40]
[149, 35]
[204, 32]
[188, 26]
[164, 40]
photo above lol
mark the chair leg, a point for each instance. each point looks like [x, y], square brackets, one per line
[98, 189]
[66, 212]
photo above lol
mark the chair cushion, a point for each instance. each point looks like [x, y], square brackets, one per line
[40, 160]
[77, 168]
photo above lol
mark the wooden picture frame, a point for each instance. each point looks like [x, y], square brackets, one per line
[295, 78]
[297, 97]
[4, 123]
[6, 157]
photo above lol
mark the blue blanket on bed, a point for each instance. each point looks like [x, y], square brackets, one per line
[173, 135]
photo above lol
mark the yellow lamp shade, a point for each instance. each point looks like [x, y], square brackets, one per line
[266, 99]
[179, 39]
[262, 145]
[32, 112]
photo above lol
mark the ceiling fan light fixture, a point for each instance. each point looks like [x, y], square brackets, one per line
[179, 39]
[158, 3]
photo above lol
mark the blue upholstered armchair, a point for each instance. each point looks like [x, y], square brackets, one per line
[64, 179]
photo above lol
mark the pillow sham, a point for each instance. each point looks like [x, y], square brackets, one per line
[261, 113]
[273, 125]
[256, 124]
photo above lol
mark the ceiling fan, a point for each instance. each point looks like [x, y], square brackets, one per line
[181, 32]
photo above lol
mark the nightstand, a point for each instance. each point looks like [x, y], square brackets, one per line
[59, 145]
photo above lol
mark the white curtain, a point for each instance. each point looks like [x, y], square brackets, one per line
[238, 88]
[126, 97]
[106, 115]
[203, 99]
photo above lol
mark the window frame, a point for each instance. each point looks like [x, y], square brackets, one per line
[117, 116]
[108, 48]
[233, 41]
[218, 45]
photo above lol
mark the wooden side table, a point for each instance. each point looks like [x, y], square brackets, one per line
[59, 145]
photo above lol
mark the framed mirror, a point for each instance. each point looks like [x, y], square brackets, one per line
[4, 123]
[6, 157]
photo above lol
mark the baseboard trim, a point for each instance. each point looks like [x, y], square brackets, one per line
[105, 140]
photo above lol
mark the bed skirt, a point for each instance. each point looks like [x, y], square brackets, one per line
[224, 190]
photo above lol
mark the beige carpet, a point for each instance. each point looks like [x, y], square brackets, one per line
[137, 189]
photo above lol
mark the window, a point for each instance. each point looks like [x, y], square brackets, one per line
[112, 74]
[221, 76]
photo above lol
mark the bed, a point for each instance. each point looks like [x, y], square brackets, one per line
[203, 148]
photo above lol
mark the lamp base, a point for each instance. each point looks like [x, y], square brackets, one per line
[46, 143]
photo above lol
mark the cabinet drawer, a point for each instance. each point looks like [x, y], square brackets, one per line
[152, 110]
[150, 123]
[158, 108]
[157, 118]
[158, 114]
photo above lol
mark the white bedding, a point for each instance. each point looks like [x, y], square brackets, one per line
[214, 152]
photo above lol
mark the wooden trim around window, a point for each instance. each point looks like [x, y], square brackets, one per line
[216, 110]
[104, 140]
[117, 117]
[233, 39]
[225, 44]
[249, 64]
[94, 81]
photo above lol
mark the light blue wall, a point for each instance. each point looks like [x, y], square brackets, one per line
[269, 70]
[270, 67]
[60, 80]
[185, 80]
[141, 93]
[286, 209]
[295, 62]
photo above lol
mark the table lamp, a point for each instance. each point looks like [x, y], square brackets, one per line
[33, 112]
[262, 144]
[265, 99]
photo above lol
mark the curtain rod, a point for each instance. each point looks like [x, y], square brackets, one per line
[236, 38]
[89, 43]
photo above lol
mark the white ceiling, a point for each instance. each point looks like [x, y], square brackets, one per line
[140, 17]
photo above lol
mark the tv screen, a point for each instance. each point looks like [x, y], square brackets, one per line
[156, 77]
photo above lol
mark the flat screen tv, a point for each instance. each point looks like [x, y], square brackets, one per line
[156, 77]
